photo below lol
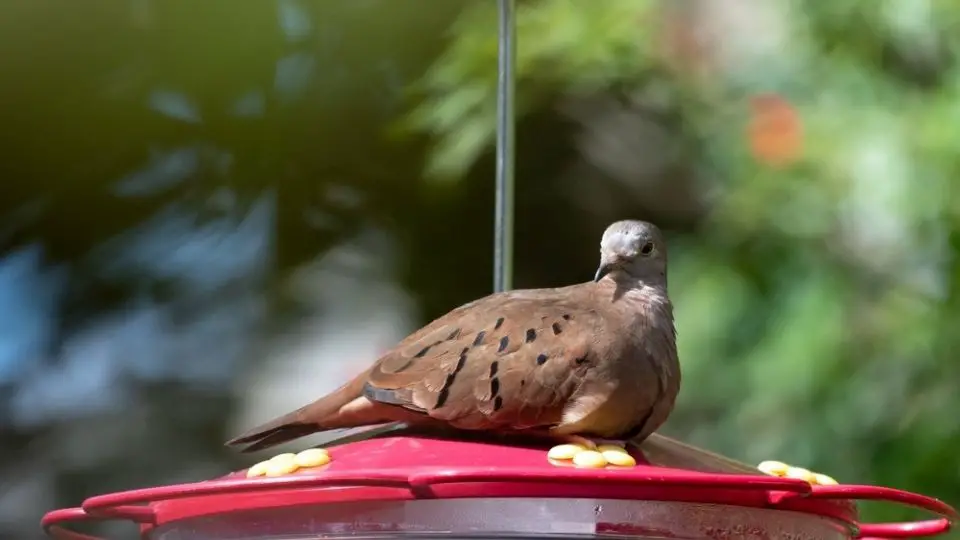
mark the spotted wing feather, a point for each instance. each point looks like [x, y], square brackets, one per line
[508, 361]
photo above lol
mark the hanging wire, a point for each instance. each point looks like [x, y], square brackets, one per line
[503, 217]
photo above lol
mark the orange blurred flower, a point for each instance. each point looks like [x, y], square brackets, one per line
[775, 131]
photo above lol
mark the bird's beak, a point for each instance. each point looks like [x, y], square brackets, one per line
[606, 266]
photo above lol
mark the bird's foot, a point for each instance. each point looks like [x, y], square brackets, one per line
[590, 453]
[778, 468]
[283, 464]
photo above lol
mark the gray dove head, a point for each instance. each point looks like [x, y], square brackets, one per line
[634, 250]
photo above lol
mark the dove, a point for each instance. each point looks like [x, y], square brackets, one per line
[595, 361]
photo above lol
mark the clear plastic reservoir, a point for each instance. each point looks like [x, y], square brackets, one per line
[505, 518]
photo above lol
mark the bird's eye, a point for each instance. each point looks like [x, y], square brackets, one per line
[647, 248]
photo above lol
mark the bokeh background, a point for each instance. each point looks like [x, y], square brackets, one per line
[213, 211]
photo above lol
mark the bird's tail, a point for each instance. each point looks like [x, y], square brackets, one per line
[667, 452]
[321, 415]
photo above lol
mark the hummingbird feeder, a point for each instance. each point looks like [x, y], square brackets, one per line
[404, 483]
[409, 484]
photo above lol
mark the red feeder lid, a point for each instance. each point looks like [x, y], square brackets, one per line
[410, 484]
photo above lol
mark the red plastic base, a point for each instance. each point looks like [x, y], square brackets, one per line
[408, 468]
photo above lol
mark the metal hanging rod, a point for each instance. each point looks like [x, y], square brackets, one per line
[506, 82]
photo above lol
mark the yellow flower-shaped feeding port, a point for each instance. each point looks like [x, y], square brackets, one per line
[781, 469]
[283, 464]
[585, 457]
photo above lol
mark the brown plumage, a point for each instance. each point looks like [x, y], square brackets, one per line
[593, 359]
